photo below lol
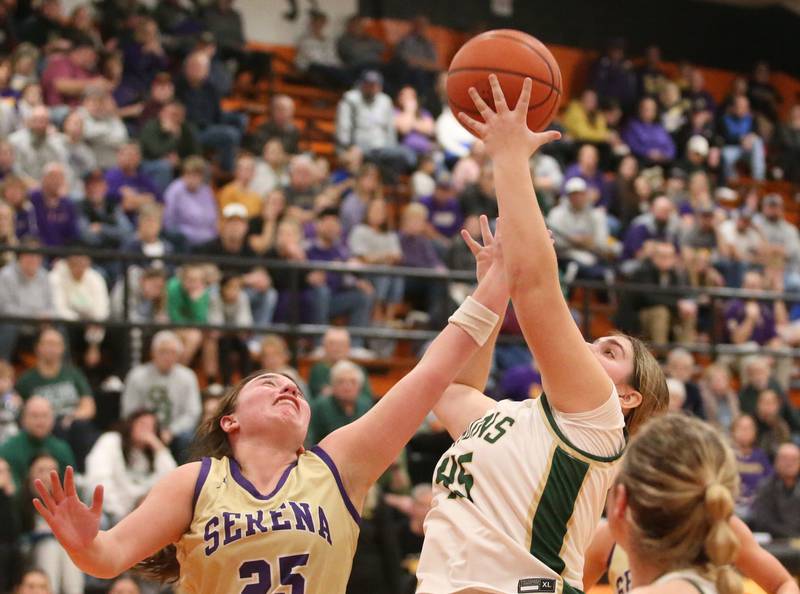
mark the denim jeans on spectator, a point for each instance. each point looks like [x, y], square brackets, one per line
[262, 305]
[388, 289]
[353, 303]
[224, 140]
[160, 171]
[732, 153]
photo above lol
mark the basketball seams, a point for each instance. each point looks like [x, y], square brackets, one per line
[503, 71]
[472, 75]
[544, 58]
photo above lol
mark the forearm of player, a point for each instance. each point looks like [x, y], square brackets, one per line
[524, 227]
[475, 373]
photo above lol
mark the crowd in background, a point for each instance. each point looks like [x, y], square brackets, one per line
[113, 136]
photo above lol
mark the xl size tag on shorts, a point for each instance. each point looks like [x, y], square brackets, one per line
[529, 585]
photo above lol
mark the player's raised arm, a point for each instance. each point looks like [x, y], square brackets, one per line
[464, 401]
[160, 520]
[530, 261]
[366, 447]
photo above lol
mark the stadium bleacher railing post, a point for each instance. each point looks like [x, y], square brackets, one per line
[293, 329]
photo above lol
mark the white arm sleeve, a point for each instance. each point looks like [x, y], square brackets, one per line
[598, 431]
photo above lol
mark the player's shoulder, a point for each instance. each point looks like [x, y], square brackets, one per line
[676, 586]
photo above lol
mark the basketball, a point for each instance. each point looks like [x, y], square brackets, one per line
[512, 56]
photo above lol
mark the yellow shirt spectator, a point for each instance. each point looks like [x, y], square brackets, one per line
[580, 125]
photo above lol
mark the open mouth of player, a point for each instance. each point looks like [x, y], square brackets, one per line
[289, 399]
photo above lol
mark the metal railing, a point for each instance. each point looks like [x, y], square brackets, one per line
[294, 328]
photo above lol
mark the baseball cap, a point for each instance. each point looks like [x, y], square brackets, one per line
[698, 144]
[773, 200]
[575, 184]
[234, 209]
[371, 76]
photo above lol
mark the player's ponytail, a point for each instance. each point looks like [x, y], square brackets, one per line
[680, 478]
[721, 543]
[209, 441]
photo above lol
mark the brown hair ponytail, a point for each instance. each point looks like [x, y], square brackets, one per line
[209, 441]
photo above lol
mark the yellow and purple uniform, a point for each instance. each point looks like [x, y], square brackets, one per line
[299, 539]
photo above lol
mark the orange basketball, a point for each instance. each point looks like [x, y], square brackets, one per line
[512, 56]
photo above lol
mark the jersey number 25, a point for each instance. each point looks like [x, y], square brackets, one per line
[262, 570]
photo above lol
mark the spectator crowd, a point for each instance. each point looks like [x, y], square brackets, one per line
[115, 135]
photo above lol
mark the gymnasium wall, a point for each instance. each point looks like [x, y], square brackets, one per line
[720, 36]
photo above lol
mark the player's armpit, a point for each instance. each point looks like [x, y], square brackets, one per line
[459, 406]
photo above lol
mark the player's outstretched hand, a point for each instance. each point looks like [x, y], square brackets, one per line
[487, 254]
[504, 130]
[74, 524]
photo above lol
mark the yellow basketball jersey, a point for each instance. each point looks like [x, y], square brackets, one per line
[619, 571]
[299, 539]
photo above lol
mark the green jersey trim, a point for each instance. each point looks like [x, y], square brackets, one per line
[554, 426]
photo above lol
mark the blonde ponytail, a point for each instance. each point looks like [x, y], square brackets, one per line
[681, 479]
[721, 544]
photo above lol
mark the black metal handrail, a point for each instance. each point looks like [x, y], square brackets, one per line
[294, 328]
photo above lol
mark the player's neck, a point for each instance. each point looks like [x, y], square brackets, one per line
[642, 572]
[263, 464]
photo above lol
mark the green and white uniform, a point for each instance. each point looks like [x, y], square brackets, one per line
[702, 584]
[517, 498]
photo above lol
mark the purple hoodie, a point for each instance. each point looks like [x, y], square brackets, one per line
[643, 138]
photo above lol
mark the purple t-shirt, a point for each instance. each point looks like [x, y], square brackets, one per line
[763, 331]
[352, 212]
[118, 179]
[192, 214]
[57, 226]
[419, 252]
[446, 217]
[335, 253]
[753, 469]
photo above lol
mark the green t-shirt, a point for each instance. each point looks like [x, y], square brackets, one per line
[64, 390]
[327, 416]
[20, 449]
[320, 376]
[181, 308]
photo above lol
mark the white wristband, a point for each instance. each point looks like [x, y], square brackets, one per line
[475, 319]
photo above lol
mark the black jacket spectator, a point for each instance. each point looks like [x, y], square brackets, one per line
[775, 507]
[202, 103]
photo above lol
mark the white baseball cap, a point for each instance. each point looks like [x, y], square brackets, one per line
[575, 184]
[234, 209]
[698, 144]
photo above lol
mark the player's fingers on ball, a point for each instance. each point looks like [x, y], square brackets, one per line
[497, 94]
[525, 96]
[472, 124]
[481, 105]
[550, 136]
